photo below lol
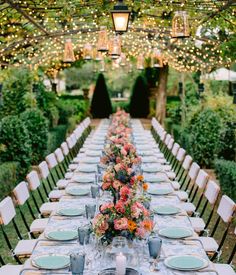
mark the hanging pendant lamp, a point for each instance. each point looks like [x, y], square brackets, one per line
[69, 56]
[88, 51]
[120, 17]
[157, 59]
[102, 45]
[180, 25]
[115, 47]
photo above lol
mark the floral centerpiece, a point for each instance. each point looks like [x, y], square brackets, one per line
[116, 153]
[128, 218]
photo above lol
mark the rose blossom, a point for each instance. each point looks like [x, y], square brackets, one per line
[106, 206]
[106, 185]
[121, 224]
[116, 184]
[140, 232]
[123, 152]
[125, 191]
[120, 207]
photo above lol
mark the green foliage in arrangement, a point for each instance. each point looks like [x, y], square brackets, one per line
[203, 137]
[15, 141]
[9, 176]
[17, 92]
[37, 126]
[101, 104]
[139, 101]
[226, 173]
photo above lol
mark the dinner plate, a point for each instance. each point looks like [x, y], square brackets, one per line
[51, 261]
[83, 179]
[90, 160]
[86, 168]
[154, 178]
[160, 192]
[93, 153]
[152, 169]
[75, 191]
[166, 210]
[186, 262]
[62, 235]
[70, 212]
[149, 159]
[176, 232]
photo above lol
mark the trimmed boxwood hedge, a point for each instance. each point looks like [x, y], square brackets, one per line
[226, 173]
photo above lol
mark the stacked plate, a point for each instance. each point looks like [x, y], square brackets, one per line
[76, 191]
[83, 179]
[62, 235]
[166, 210]
[186, 262]
[160, 192]
[70, 212]
[51, 261]
[176, 232]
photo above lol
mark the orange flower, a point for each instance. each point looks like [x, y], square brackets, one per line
[148, 225]
[145, 186]
[140, 177]
[131, 225]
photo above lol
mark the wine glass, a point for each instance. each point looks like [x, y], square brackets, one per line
[154, 247]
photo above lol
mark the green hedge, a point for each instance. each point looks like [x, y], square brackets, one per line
[226, 173]
[56, 136]
[37, 126]
[15, 140]
[9, 175]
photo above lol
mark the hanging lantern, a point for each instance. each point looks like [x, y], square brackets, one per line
[157, 59]
[140, 62]
[180, 25]
[115, 47]
[88, 51]
[102, 45]
[97, 55]
[68, 52]
[122, 59]
[120, 17]
[180, 90]
[234, 92]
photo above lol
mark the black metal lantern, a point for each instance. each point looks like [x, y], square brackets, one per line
[120, 17]
[180, 88]
[200, 88]
[234, 92]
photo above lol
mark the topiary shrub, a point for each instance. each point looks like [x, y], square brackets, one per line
[101, 104]
[37, 126]
[16, 141]
[139, 102]
[226, 173]
[9, 176]
[204, 137]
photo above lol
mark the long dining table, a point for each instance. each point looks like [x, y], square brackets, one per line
[82, 173]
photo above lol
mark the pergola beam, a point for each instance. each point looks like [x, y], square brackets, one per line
[27, 16]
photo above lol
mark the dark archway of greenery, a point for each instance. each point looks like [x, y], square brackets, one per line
[139, 101]
[101, 104]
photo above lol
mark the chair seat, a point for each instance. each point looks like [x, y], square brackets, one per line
[182, 195]
[38, 225]
[198, 224]
[224, 269]
[56, 194]
[61, 184]
[25, 247]
[161, 160]
[209, 244]
[48, 207]
[73, 166]
[10, 269]
[171, 175]
[188, 207]
[175, 185]
[167, 168]
[68, 175]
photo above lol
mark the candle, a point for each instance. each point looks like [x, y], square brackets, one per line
[120, 264]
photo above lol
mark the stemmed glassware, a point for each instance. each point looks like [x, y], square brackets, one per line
[154, 246]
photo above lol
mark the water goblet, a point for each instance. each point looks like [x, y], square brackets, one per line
[77, 261]
[94, 191]
[83, 233]
[154, 246]
[90, 210]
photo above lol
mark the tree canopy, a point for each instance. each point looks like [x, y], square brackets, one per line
[33, 32]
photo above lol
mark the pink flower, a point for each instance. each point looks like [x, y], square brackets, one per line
[136, 210]
[123, 152]
[121, 224]
[117, 167]
[129, 171]
[120, 207]
[140, 232]
[106, 185]
[125, 191]
[116, 184]
[118, 160]
[100, 224]
[106, 206]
